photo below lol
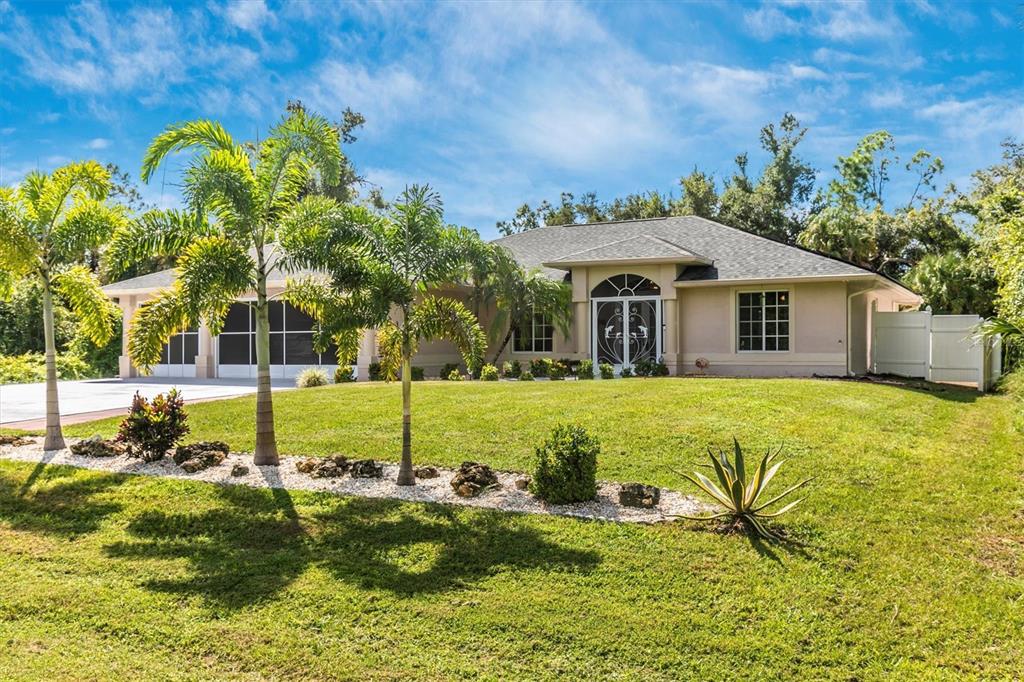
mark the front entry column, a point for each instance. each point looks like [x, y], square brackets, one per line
[671, 351]
[205, 366]
[125, 370]
[581, 316]
[367, 352]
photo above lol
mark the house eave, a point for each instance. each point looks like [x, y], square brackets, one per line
[910, 296]
[660, 260]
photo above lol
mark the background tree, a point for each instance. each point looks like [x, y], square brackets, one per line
[248, 190]
[385, 273]
[699, 196]
[952, 284]
[519, 294]
[47, 225]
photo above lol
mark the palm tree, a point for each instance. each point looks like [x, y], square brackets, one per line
[385, 273]
[248, 190]
[520, 294]
[47, 225]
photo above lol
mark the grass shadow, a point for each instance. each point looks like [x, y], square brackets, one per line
[43, 503]
[254, 546]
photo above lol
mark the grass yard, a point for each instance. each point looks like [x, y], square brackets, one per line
[914, 564]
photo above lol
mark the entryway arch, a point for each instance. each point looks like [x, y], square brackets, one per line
[626, 321]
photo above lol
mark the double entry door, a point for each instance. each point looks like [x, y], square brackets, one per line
[626, 330]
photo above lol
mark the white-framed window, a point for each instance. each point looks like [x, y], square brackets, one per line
[538, 337]
[762, 321]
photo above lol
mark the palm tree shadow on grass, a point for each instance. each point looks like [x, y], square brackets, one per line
[43, 503]
[256, 545]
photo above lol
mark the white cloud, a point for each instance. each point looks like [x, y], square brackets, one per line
[982, 116]
[839, 21]
[98, 143]
[802, 72]
[382, 94]
[248, 15]
[886, 99]
[1001, 19]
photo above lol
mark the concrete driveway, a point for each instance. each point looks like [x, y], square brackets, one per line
[24, 405]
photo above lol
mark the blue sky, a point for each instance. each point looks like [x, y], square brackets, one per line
[496, 104]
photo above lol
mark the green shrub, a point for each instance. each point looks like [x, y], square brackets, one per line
[310, 377]
[153, 428]
[515, 370]
[650, 368]
[1013, 385]
[447, 369]
[373, 372]
[417, 374]
[506, 370]
[489, 373]
[29, 368]
[539, 367]
[566, 468]
[526, 376]
[344, 374]
[586, 369]
[740, 491]
[625, 372]
[455, 375]
[557, 371]
[607, 370]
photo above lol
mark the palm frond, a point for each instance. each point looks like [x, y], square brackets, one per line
[88, 224]
[321, 234]
[213, 272]
[207, 134]
[389, 350]
[96, 314]
[154, 234]
[153, 324]
[80, 180]
[221, 182]
[19, 252]
[439, 317]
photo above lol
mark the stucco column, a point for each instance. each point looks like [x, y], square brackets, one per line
[125, 370]
[581, 318]
[205, 365]
[670, 351]
[367, 351]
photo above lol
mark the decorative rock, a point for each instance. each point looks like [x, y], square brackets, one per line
[17, 441]
[523, 483]
[426, 472]
[97, 446]
[203, 460]
[239, 470]
[366, 468]
[323, 467]
[639, 495]
[192, 450]
[471, 479]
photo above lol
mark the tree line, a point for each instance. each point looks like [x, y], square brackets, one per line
[949, 245]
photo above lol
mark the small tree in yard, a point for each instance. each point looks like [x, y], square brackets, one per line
[406, 256]
[519, 294]
[566, 468]
[48, 224]
[248, 190]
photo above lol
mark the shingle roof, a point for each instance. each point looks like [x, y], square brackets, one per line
[734, 254]
[637, 248]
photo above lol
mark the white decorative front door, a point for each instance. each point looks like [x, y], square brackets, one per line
[626, 330]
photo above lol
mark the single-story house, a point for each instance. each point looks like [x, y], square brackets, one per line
[680, 289]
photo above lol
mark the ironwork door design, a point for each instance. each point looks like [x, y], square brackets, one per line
[626, 330]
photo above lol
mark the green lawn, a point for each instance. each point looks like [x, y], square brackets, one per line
[914, 564]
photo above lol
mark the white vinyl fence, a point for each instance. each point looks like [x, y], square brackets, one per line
[934, 347]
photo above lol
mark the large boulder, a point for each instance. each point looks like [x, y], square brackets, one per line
[639, 495]
[366, 468]
[203, 460]
[324, 467]
[472, 479]
[97, 446]
[183, 453]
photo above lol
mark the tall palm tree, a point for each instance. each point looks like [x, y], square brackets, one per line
[47, 225]
[386, 273]
[519, 294]
[237, 195]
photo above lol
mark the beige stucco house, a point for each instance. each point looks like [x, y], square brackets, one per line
[678, 288]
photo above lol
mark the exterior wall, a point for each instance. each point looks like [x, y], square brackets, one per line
[707, 329]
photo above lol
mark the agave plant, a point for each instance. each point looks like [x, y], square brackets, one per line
[742, 496]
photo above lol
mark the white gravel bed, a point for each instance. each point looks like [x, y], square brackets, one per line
[505, 497]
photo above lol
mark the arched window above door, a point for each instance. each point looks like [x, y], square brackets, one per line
[625, 285]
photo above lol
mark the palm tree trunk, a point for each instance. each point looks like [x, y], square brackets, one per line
[501, 348]
[406, 476]
[266, 441]
[54, 438]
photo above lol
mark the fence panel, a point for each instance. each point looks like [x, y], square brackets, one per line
[900, 343]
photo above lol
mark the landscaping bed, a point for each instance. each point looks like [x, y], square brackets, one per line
[506, 495]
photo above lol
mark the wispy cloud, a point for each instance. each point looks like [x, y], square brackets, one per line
[97, 143]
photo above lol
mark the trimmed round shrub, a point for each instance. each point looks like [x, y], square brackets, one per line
[526, 376]
[557, 370]
[586, 369]
[447, 369]
[607, 370]
[489, 373]
[344, 375]
[417, 374]
[455, 375]
[311, 377]
[566, 468]
[625, 372]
